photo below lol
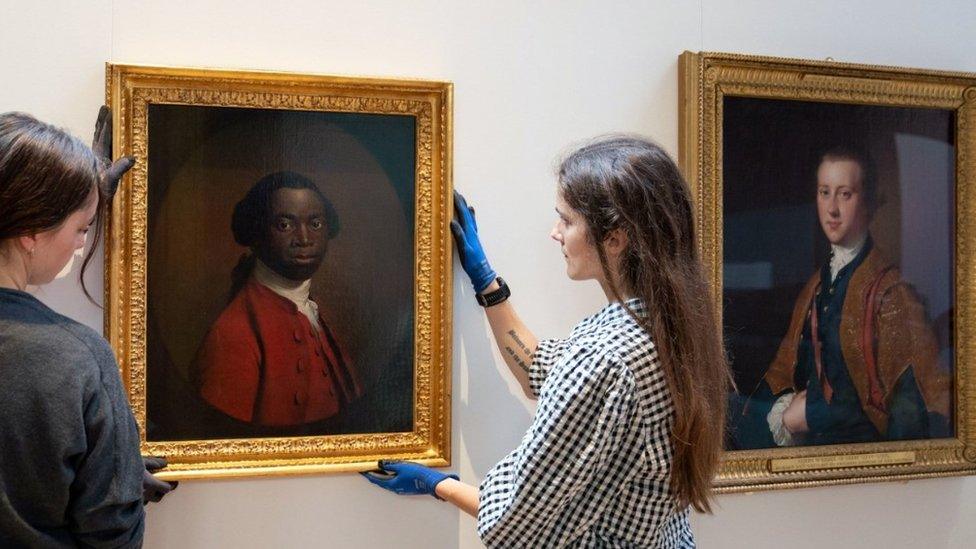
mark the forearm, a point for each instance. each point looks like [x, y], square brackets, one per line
[515, 342]
[464, 496]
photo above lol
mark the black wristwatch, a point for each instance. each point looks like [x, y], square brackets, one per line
[496, 297]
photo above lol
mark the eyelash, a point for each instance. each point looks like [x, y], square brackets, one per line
[285, 225]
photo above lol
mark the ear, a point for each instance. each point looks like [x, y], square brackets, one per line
[615, 242]
[28, 243]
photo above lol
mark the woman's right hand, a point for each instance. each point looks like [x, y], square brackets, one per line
[154, 489]
[472, 255]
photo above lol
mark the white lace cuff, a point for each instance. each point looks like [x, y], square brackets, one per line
[781, 435]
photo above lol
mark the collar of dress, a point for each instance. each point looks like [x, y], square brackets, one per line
[840, 256]
[295, 291]
[618, 310]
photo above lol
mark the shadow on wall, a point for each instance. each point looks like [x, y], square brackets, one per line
[491, 419]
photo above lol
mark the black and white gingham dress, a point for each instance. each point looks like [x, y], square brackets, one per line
[594, 468]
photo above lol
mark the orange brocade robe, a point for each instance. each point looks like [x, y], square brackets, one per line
[902, 339]
[263, 362]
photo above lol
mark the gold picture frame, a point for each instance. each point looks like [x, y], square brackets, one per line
[389, 142]
[782, 103]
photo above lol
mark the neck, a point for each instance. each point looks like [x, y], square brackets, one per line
[11, 283]
[622, 295]
[13, 271]
[294, 288]
[853, 245]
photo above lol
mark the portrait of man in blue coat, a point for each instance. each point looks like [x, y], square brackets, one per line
[859, 361]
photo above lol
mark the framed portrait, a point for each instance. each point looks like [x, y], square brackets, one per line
[278, 273]
[834, 208]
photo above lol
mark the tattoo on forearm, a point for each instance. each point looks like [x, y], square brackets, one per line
[518, 360]
[518, 341]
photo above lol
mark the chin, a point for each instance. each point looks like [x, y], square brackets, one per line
[576, 277]
[300, 276]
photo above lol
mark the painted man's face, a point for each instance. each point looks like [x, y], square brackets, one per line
[297, 237]
[841, 204]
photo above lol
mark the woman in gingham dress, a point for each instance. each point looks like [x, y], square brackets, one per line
[628, 429]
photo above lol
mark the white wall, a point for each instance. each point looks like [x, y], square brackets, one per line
[530, 79]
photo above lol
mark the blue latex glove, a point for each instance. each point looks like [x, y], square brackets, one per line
[406, 478]
[472, 255]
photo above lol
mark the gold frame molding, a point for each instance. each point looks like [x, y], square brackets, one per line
[704, 80]
[130, 89]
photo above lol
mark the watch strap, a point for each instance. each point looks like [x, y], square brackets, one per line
[495, 297]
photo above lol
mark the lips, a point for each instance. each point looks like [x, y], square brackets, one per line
[305, 258]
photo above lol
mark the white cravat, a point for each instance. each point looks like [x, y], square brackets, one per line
[294, 291]
[842, 255]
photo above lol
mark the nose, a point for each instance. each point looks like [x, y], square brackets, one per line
[833, 206]
[554, 234]
[303, 236]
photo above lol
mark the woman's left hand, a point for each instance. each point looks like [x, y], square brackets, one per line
[111, 172]
[406, 478]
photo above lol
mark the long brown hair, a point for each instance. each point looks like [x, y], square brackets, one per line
[46, 174]
[630, 183]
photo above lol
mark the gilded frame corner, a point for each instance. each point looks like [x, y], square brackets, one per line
[704, 80]
[130, 90]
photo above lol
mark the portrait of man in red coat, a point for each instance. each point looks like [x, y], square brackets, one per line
[270, 358]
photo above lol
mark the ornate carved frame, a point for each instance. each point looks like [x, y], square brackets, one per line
[129, 91]
[705, 79]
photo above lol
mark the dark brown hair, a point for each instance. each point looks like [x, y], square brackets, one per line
[46, 174]
[630, 183]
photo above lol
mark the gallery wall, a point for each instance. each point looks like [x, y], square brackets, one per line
[530, 79]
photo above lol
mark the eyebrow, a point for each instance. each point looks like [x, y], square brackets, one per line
[290, 216]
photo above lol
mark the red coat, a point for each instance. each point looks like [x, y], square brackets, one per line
[263, 362]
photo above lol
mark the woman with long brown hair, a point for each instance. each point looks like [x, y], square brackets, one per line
[628, 430]
[70, 469]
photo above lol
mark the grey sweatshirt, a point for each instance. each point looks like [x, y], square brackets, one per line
[70, 469]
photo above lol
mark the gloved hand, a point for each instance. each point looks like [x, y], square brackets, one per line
[406, 478]
[111, 172]
[472, 255]
[154, 489]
